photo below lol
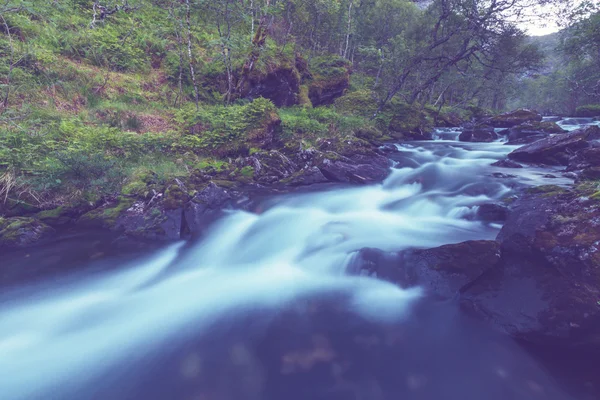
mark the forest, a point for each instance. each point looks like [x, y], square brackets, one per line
[300, 199]
[98, 96]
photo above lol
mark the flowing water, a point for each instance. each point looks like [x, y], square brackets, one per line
[223, 318]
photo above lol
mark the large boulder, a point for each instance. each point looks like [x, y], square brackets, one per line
[268, 167]
[135, 218]
[330, 79]
[22, 232]
[443, 271]
[506, 164]
[532, 128]
[478, 134]
[556, 150]
[514, 118]
[358, 169]
[547, 289]
[586, 163]
[206, 207]
[410, 123]
[280, 84]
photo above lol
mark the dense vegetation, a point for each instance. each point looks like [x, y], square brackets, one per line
[569, 82]
[95, 95]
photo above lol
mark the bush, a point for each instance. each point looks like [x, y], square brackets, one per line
[590, 110]
[234, 126]
[104, 47]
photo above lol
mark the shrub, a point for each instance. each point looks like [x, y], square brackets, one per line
[590, 110]
[235, 126]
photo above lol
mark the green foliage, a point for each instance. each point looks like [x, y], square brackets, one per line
[590, 110]
[320, 122]
[216, 126]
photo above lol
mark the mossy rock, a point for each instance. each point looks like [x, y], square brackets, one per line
[330, 79]
[106, 217]
[135, 189]
[56, 217]
[359, 103]
[538, 126]
[547, 190]
[17, 208]
[174, 197]
[514, 118]
[409, 122]
[20, 232]
[279, 83]
[588, 111]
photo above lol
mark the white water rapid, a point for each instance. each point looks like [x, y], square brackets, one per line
[59, 339]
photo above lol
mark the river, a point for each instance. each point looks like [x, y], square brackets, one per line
[265, 306]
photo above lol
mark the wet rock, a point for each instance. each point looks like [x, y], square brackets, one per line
[388, 148]
[577, 121]
[348, 172]
[206, 207]
[306, 176]
[22, 232]
[586, 162]
[526, 139]
[478, 134]
[443, 271]
[514, 118]
[268, 166]
[507, 164]
[503, 176]
[548, 286]
[492, 212]
[552, 119]
[533, 128]
[556, 150]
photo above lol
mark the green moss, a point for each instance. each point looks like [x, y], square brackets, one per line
[175, 197]
[547, 190]
[106, 217]
[57, 216]
[409, 121]
[303, 98]
[226, 184]
[247, 171]
[135, 188]
[361, 102]
[22, 231]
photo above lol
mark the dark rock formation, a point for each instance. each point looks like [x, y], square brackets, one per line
[206, 207]
[533, 128]
[478, 134]
[330, 79]
[443, 271]
[548, 287]
[527, 139]
[492, 212]
[21, 232]
[556, 150]
[513, 118]
[586, 162]
[507, 164]
[281, 85]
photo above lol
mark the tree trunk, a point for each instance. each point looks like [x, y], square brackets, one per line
[189, 37]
